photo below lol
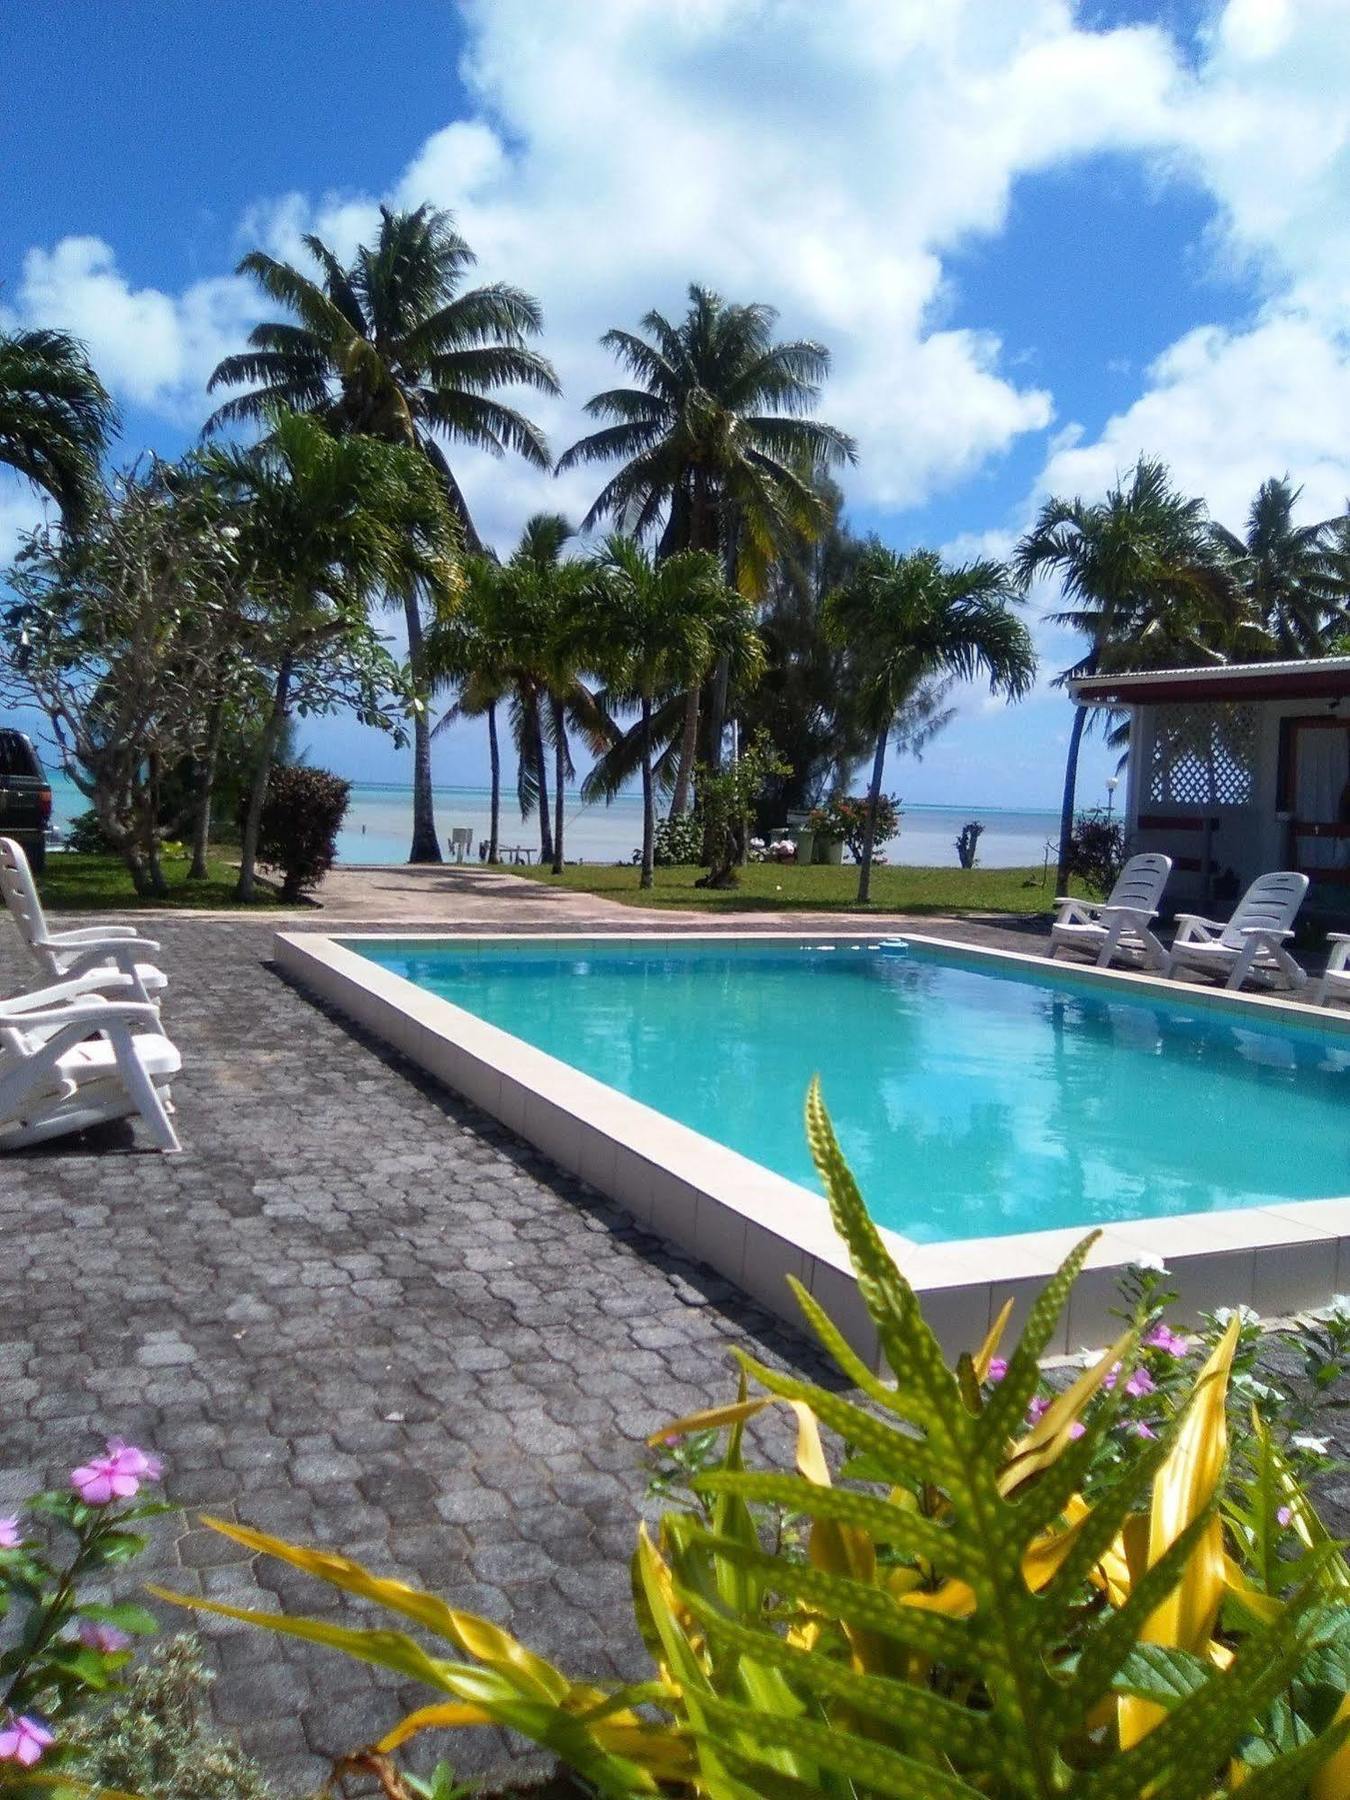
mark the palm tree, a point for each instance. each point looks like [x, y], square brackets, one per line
[1146, 587]
[396, 347]
[1291, 576]
[657, 628]
[716, 450]
[469, 648]
[326, 524]
[55, 417]
[910, 621]
[547, 651]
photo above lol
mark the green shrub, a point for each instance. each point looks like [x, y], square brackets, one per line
[678, 842]
[843, 818]
[152, 1739]
[301, 818]
[1097, 850]
[87, 836]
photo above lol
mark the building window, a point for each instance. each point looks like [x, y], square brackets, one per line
[1202, 756]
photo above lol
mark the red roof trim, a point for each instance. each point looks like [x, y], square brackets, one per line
[1301, 684]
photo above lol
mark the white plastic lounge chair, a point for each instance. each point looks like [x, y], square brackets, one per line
[1121, 927]
[1335, 982]
[60, 954]
[1252, 942]
[70, 1058]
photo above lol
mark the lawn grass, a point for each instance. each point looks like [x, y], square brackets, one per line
[74, 882]
[781, 887]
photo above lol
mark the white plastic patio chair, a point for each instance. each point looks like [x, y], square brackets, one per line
[61, 954]
[1122, 926]
[1252, 943]
[1335, 982]
[70, 1062]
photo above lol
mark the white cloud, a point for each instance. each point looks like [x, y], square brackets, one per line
[1227, 409]
[153, 348]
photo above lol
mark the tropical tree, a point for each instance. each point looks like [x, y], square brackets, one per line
[911, 621]
[1294, 578]
[656, 628]
[394, 346]
[121, 634]
[550, 648]
[55, 418]
[808, 700]
[326, 525]
[468, 649]
[716, 449]
[1143, 582]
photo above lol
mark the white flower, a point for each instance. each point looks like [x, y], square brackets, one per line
[1302, 1440]
[1148, 1259]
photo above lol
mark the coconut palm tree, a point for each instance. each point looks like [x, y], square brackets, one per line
[395, 346]
[716, 449]
[1291, 576]
[911, 621]
[549, 651]
[655, 629]
[469, 648]
[1145, 585]
[55, 417]
[326, 524]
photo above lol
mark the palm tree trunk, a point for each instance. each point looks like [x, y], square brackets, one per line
[559, 766]
[425, 845]
[680, 799]
[870, 827]
[495, 763]
[248, 848]
[206, 781]
[1066, 810]
[647, 877]
[541, 778]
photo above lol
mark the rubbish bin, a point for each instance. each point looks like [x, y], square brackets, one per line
[805, 840]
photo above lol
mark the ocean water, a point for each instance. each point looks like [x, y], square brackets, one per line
[969, 1102]
[378, 827]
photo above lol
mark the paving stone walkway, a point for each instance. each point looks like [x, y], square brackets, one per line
[356, 1313]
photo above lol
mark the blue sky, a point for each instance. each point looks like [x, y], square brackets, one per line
[1039, 239]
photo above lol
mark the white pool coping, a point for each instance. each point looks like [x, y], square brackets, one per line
[756, 1227]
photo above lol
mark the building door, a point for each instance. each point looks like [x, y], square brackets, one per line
[1319, 797]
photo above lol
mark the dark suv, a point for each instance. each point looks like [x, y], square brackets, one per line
[25, 796]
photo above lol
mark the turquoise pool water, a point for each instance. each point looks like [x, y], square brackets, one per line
[970, 1100]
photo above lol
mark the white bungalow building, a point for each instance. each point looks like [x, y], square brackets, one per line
[1238, 768]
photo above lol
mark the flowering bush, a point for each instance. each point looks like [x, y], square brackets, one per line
[843, 818]
[65, 1650]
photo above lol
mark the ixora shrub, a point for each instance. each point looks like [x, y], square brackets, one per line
[970, 1586]
[843, 818]
[301, 817]
[61, 1651]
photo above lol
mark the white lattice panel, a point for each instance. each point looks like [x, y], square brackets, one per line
[1202, 755]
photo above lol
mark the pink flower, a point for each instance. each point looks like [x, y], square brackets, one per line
[106, 1638]
[1162, 1337]
[1077, 1429]
[998, 1368]
[116, 1476]
[1142, 1428]
[1140, 1383]
[1039, 1407]
[24, 1741]
[1285, 1516]
[10, 1535]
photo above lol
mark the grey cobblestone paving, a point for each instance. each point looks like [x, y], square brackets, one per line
[356, 1313]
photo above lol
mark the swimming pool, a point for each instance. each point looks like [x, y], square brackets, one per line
[974, 1096]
